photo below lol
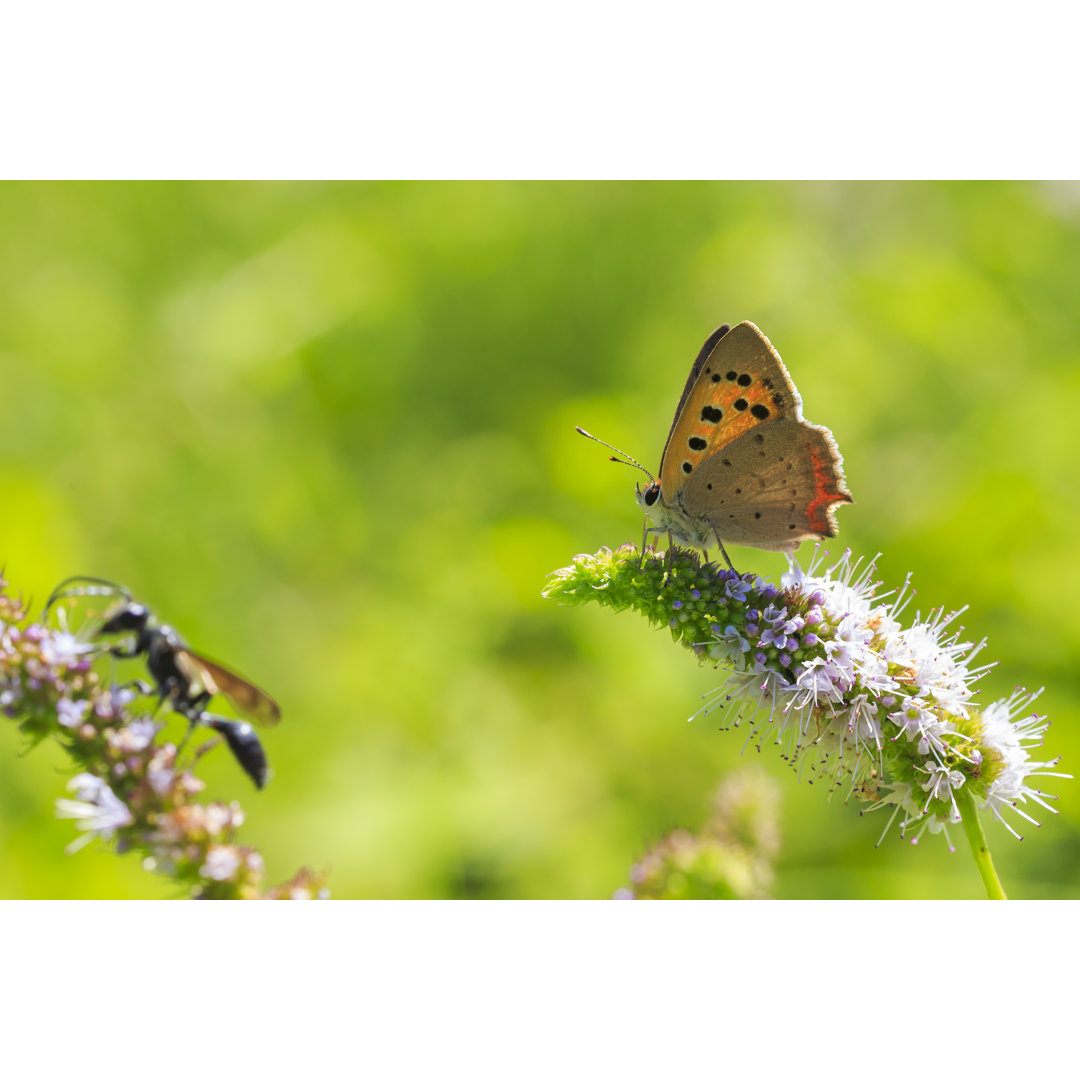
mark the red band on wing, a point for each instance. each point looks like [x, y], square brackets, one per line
[824, 478]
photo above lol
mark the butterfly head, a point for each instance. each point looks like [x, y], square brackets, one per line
[648, 498]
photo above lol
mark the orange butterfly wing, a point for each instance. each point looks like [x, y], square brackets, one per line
[736, 385]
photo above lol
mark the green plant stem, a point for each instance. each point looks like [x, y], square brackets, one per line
[977, 840]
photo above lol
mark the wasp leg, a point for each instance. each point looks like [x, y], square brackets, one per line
[192, 721]
[144, 688]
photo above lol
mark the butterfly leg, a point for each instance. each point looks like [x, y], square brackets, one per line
[723, 552]
[656, 545]
[644, 541]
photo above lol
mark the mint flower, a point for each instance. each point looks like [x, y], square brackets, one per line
[730, 858]
[823, 667]
[222, 862]
[96, 810]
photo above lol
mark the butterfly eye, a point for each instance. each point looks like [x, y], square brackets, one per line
[652, 493]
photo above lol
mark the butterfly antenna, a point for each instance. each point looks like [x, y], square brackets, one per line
[623, 459]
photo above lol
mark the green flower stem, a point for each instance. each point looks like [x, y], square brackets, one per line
[977, 840]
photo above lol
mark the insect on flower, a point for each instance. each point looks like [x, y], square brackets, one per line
[182, 677]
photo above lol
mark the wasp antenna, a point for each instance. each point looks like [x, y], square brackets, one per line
[67, 587]
[623, 459]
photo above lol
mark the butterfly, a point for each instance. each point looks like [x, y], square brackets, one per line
[740, 463]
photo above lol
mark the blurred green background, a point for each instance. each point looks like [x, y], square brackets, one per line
[326, 430]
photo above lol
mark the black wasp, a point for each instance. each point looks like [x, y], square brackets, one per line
[183, 678]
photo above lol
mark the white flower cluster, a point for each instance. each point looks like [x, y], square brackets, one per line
[95, 808]
[886, 708]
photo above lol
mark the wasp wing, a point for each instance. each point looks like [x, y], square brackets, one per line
[252, 702]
